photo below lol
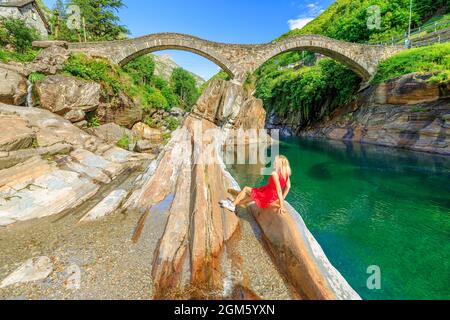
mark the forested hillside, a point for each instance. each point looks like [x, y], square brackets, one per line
[347, 19]
[295, 86]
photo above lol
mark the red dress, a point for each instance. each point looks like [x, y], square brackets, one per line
[266, 195]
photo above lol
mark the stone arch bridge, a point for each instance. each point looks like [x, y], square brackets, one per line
[240, 59]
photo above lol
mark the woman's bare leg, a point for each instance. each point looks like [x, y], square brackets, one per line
[245, 197]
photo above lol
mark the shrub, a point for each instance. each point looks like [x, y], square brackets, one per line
[16, 33]
[306, 92]
[150, 122]
[28, 56]
[92, 119]
[124, 142]
[154, 99]
[36, 76]
[172, 123]
[141, 69]
[162, 85]
[98, 70]
[184, 86]
[435, 58]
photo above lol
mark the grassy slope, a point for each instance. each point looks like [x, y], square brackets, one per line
[435, 59]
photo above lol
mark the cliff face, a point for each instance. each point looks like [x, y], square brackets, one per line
[408, 112]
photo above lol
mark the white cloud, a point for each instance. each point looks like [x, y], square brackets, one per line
[298, 23]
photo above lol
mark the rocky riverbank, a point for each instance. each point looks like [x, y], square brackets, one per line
[84, 219]
[408, 112]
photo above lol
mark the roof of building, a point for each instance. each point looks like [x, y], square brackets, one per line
[22, 3]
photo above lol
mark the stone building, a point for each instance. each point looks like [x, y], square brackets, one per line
[27, 10]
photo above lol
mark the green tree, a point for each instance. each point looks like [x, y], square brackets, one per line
[162, 85]
[184, 86]
[102, 22]
[60, 8]
[100, 16]
[15, 32]
[141, 69]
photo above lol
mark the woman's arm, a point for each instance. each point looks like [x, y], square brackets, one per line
[288, 188]
[276, 179]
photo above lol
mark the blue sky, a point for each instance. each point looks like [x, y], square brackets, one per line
[231, 21]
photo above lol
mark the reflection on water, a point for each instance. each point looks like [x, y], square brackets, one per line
[370, 205]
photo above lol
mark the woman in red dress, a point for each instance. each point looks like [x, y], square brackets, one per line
[272, 194]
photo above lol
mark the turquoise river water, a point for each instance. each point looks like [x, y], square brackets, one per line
[373, 206]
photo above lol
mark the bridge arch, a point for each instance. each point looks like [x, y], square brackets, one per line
[238, 60]
[210, 57]
[123, 51]
[362, 59]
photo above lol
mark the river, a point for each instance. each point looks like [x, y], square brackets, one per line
[373, 206]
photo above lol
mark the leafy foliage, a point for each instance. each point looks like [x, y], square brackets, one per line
[36, 76]
[141, 69]
[306, 92]
[184, 86]
[434, 59]
[137, 80]
[93, 121]
[16, 33]
[347, 19]
[102, 22]
[310, 93]
[172, 123]
[98, 70]
[154, 99]
[7, 56]
[166, 90]
[124, 142]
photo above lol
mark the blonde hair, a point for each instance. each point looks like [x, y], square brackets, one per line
[282, 166]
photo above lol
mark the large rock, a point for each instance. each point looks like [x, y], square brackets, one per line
[122, 110]
[61, 95]
[299, 257]
[72, 164]
[144, 146]
[16, 133]
[93, 161]
[197, 227]
[409, 89]
[50, 128]
[420, 127]
[75, 116]
[13, 87]
[145, 132]
[231, 103]
[220, 102]
[107, 206]
[47, 195]
[252, 115]
[32, 270]
[49, 61]
[23, 174]
[112, 132]
[9, 159]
